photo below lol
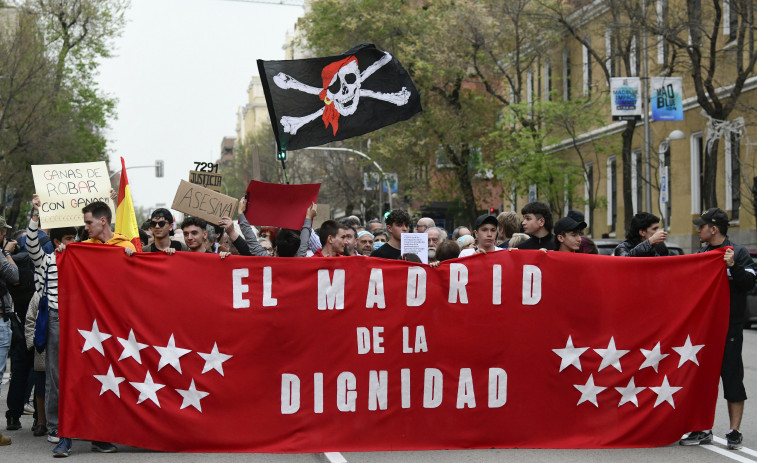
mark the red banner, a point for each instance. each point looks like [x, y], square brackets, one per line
[278, 204]
[511, 349]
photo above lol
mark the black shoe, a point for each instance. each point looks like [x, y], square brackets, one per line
[734, 439]
[41, 430]
[697, 438]
[14, 423]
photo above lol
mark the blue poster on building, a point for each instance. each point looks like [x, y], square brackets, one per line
[666, 98]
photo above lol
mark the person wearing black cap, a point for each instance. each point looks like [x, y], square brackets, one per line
[712, 227]
[537, 222]
[644, 238]
[587, 245]
[486, 235]
[568, 234]
[161, 223]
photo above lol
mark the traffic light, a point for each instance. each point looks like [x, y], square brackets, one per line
[492, 210]
[159, 169]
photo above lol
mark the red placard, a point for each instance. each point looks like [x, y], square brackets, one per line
[508, 349]
[279, 205]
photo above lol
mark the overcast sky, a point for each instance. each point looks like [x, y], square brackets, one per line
[180, 73]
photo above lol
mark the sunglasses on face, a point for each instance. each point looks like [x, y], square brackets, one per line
[159, 224]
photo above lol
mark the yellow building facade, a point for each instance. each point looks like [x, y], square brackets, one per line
[676, 163]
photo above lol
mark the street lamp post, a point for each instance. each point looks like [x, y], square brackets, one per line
[158, 166]
[384, 178]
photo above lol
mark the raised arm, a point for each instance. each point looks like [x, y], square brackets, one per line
[249, 235]
[306, 230]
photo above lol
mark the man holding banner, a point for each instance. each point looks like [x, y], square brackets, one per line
[712, 227]
[97, 217]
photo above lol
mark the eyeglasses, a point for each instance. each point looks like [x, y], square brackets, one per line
[159, 224]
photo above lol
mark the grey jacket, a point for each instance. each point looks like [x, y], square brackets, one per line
[9, 276]
[257, 250]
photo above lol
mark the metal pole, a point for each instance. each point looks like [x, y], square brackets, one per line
[384, 178]
[645, 115]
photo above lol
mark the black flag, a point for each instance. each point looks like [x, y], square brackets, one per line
[319, 100]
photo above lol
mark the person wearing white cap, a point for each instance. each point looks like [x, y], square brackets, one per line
[364, 243]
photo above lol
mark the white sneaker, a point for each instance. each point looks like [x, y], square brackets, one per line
[53, 438]
[28, 409]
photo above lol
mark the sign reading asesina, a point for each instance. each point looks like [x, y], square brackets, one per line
[64, 189]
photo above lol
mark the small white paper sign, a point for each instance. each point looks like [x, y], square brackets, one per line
[415, 243]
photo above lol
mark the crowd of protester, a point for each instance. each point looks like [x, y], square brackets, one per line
[28, 270]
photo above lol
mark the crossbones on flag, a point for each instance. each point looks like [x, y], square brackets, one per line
[319, 100]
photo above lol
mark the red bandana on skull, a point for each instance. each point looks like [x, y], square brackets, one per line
[330, 114]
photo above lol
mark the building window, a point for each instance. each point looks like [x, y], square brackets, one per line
[547, 80]
[665, 195]
[530, 92]
[588, 185]
[586, 61]
[609, 64]
[662, 12]
[612, 193]
[632, 58]
[733, 175]
[730, 20]
[636, 180]
[697, 174]
[566, 75]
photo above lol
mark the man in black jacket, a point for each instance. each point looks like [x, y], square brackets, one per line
[537, 222]
[645, 238]
[712, 227]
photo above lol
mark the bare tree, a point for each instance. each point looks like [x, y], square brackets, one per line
[721, 57]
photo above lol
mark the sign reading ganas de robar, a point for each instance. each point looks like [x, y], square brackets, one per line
[64, 189]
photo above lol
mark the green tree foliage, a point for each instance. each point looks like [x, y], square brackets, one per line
[456, 117]
[51, 110]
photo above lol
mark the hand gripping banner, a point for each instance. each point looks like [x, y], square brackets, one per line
[190, 352]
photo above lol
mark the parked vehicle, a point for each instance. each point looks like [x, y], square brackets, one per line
[607, 246]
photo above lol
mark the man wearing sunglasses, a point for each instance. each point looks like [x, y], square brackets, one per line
[161, 224]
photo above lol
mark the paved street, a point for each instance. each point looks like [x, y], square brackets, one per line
[25, 447]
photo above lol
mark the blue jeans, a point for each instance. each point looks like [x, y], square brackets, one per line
[51, 371]
[5, 345]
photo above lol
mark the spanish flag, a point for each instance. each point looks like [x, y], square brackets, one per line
[126, 219]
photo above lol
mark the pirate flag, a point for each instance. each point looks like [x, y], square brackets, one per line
[319, 100]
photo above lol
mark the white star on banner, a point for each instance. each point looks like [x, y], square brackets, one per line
[148, 390]
[589, 391]
[653, 357]
[570, 355]
[688, 352]
[611, 356]
[214, 360]
[192, 397]
[131, 348]
[170, 355]
[94, 339]
[665, 393]
[628, 393]
[110, 382]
